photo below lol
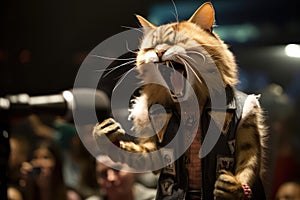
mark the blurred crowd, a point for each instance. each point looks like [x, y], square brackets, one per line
[48, 160]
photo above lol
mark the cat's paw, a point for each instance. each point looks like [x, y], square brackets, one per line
[109, 128]
[228, 187]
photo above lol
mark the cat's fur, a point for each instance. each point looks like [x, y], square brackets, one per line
[174, 41]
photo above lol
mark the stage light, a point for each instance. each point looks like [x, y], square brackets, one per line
[292, 50]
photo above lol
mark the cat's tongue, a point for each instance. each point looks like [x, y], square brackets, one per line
[178, 82]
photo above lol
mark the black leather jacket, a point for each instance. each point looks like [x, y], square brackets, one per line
[173, 186]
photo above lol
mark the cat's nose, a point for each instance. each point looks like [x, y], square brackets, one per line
[160, 53]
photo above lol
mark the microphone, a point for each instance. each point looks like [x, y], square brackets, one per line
[78, 100]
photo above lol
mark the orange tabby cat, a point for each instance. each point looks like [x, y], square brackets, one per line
[235, 175]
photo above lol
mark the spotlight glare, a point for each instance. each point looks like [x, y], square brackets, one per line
[68, 95]
[292, 50]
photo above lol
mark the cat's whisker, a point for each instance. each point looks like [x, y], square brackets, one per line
[106, 70]
[127, 47]
[100, 70]
[198, 53]
[188, 57]
[133, 28]
[122, 78]
[121, 65]
[190, 67]
[111, 58]
[176, 11]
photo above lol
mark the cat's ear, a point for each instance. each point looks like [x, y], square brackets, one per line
[204, 16]
[145, 23]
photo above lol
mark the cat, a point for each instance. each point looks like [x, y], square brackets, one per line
[173, 45]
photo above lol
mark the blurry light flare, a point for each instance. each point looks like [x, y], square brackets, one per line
[239, 32]
[20, 98]
[68, 95]
[292, 50]
[46, 99]
[4, 103]
[23, 98]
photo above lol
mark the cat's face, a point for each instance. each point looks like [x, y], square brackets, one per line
[190, 49]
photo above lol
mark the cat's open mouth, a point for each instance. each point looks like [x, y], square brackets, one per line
[175, 76]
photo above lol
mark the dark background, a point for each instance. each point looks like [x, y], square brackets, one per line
[43, 43]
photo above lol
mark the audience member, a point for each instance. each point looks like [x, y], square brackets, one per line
[79, 168]
[19, 152]
[43, 174]
[288, 191]
[115, 182]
